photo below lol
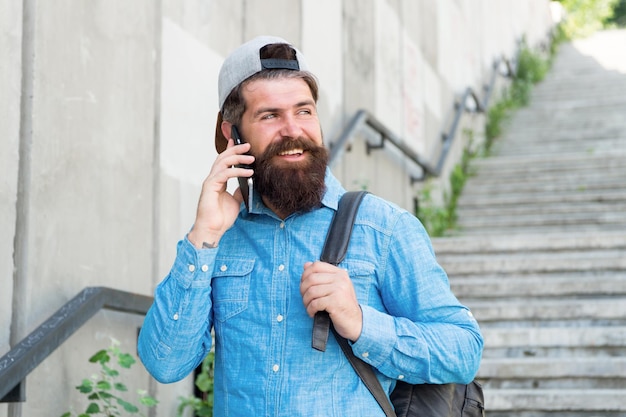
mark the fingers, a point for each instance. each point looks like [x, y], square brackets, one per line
[325, 287]
[226, 162]
[217, 208]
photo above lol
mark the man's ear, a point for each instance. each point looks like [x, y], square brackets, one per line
[226, 129]
[220, 140]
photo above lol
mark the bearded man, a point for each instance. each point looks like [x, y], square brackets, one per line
[251, 274]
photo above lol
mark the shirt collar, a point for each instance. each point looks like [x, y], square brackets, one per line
[334, 191]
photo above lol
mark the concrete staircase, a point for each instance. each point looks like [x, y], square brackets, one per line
[541, 256]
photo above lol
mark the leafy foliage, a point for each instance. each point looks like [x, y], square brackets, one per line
[531, 69]
[619, 15]
[202, 406]
[439, 220]
[587, 16]
[103, 389]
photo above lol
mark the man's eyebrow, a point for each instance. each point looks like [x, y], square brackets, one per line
[308, 102]
[263, 110]
[266, 110]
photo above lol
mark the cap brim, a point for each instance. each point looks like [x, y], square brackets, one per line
[220, 140]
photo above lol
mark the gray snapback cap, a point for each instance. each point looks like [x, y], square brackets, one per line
[246, 61]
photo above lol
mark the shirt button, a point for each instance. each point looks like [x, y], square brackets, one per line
[279, 318]
[275, 368]
[175, 316]
[192, 268]
[205, 268]
[366, 354]
[282, 225]
[400, 377]
[223, 268]
[281, 268]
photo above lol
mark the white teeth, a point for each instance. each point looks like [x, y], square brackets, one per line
[292, 152]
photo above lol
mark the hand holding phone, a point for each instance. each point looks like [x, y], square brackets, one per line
[246, 184]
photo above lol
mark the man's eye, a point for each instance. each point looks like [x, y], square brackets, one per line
[268, 116]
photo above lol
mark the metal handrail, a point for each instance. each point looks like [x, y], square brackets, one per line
[41, 342]
[460, 107]
[364, 118]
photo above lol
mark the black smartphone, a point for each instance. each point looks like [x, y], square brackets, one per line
[245, 183]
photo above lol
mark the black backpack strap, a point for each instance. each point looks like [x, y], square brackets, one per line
[334, 251]
[367, 375]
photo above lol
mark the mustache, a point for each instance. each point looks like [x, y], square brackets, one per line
[288, 144]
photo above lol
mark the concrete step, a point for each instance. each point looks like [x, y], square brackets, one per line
[534, 173]
[534, 369]
[555, 144]
[509, 230]
[487, 188]
[577, 162]
[591, 102]
[576, 116]
[544, 217]
[523, 263]
[576, 181]
[555, 402]
[605, 141]
[527, 214]
[550, 310]
[536, 138]
[538, 286]
[529, 242]
[529, 339]
[554, 197]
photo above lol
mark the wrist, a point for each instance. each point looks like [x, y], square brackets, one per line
[203, 240]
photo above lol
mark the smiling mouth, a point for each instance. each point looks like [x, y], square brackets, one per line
[291, 152]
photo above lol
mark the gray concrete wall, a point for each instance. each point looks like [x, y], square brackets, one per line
[10, 73]
[107, 123]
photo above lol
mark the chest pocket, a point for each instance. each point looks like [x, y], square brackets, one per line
[363, 276]
[230, 287]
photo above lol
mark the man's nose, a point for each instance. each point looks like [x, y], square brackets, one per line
[291, 128]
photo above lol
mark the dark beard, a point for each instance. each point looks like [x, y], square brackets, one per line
[292, 187]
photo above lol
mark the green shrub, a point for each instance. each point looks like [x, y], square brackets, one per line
[583, 17]
[618, 19]
[103, 390]
[531, 69]
[203, 406]
[440, 220]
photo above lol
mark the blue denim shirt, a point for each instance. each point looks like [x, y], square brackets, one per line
[247, 291]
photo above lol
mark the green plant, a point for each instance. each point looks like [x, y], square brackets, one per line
[531, 69]
[435, 219]
[619, 15]
[439, 220]
[103, 389]
[203, 406]
[583, 17]
[496, 117]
